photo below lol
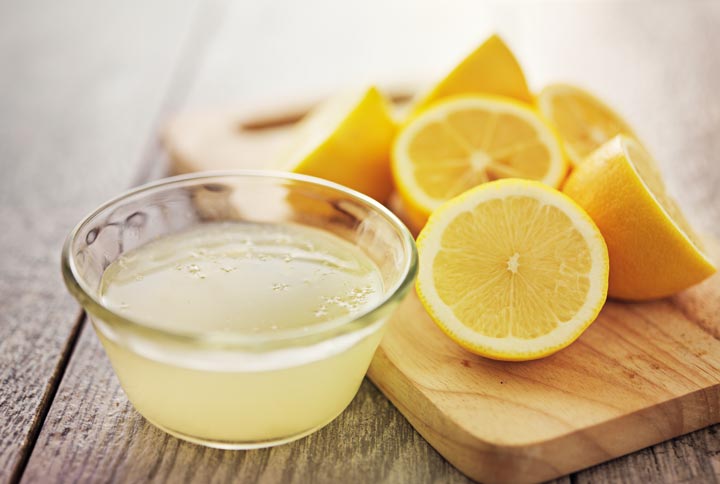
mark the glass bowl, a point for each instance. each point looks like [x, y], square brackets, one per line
[237, 389]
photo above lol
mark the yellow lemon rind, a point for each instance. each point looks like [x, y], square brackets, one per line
[465, 72]
[355, 152]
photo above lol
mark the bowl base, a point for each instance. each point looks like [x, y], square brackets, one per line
[241, 445]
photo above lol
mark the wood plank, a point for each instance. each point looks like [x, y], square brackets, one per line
[692, 458]
[250, 60]
[81, 83]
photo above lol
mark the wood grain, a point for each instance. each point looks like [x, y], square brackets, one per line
[74, 118]
[641, 374]
[654, 60]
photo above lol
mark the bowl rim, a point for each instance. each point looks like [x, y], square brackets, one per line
[93, 305]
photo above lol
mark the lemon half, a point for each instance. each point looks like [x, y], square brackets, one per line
[512, 270]
[464, 141]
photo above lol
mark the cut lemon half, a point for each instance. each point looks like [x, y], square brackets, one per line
[654, 251]
[512, 270]
[346, 140]
[583, 121]
[489, 69]
[464, 141]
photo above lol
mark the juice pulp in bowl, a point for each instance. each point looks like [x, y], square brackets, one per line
[240, 333]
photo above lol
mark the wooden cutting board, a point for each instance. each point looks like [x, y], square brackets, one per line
[641, 374]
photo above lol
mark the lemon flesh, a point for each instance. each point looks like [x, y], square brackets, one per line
[649, 173]
[465, 141]
[512, 270]
[583, 121]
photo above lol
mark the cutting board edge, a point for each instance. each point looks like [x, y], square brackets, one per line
[539, 461]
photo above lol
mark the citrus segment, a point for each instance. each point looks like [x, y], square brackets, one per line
[347, 140]
[464, 141]
[653, 250]
[583, 121]
[512, 270]
[489, 69]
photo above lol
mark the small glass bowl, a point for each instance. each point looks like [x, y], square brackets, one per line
[239, 390]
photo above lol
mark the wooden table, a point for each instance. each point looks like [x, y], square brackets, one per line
[84, 87]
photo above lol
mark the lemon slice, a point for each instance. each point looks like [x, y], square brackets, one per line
[490, 69]
[346, 140]
[583, 121]
[512, 270]
[654, 251]
[464, 141]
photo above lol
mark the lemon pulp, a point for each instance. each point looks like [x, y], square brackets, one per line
[465, 141]
[522, 283]
[512, 269]
[583, 121]
[650, 174]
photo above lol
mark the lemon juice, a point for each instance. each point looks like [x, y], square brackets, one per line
[281, 285]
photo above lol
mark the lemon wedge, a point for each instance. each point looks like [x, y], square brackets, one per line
[346, 140]
[654, 252]
[489, 69]
[583, 121]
